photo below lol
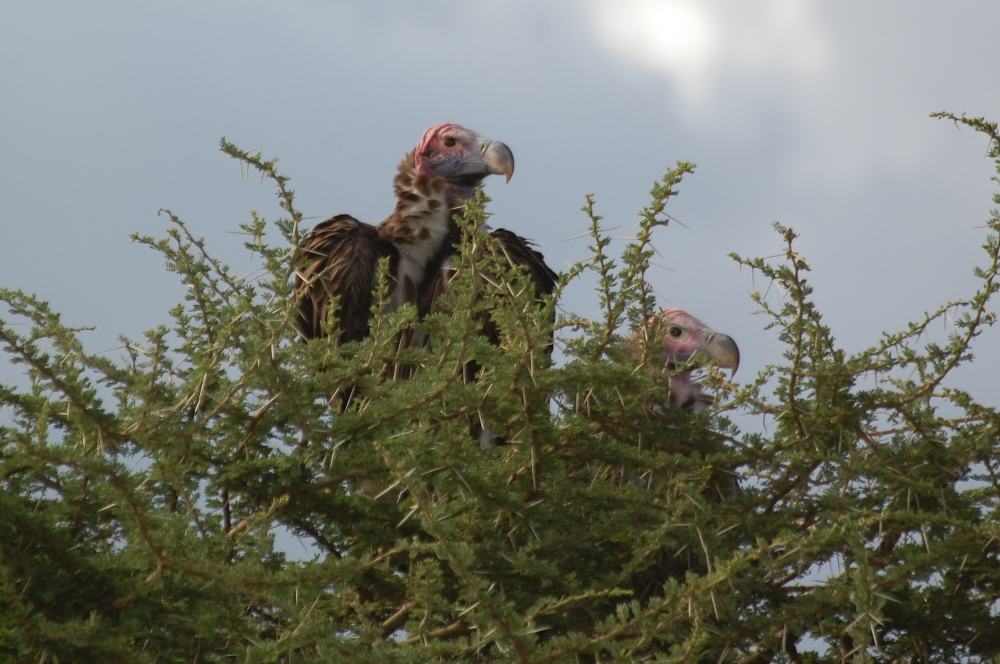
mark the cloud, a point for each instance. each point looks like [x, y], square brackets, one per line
[845, 90]
[679, 40]
[697, 46]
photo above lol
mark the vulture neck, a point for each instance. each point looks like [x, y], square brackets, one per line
[462, 190]
[420, 227]
[686, 393]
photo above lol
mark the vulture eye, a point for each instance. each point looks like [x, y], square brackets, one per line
[449, 142]
[675, 331]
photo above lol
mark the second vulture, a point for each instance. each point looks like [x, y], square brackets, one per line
[684, 336]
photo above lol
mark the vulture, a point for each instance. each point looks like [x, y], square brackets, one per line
[432, 183]
[684, 337]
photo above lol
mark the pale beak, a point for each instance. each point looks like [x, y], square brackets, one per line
[496, 157]
[722, 350]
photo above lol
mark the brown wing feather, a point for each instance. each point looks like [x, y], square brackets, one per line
[520, 252]
[341, 261]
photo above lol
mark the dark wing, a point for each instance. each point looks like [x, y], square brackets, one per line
[339, 260]
[519, 251]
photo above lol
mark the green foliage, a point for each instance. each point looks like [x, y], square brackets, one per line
[152, 506]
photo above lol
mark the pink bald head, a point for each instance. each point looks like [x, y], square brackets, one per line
[462, 157]
[685, 335]
[433, 138]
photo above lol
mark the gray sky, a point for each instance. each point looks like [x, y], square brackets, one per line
[814, 114]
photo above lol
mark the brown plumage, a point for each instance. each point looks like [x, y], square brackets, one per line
[344, 256]
[519, 252]
[432, 183]
[341, 254]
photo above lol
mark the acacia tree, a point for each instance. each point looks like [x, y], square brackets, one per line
[148, 501]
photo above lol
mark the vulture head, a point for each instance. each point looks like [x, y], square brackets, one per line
[684, 338]
[462, 157]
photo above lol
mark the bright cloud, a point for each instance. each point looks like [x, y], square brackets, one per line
[695, 45]
[678, 39]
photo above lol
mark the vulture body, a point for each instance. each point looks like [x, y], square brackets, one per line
[432, 184]
[684, 337]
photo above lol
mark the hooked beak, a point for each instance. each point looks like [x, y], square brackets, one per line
[722, 350]
[496, 157]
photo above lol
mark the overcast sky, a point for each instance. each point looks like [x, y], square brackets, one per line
[813, 114]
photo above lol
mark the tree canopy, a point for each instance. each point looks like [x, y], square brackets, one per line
[148, 501]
